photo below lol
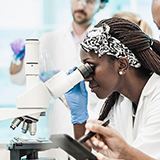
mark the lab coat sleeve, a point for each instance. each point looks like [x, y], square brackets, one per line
[148, 138]
[19, 78]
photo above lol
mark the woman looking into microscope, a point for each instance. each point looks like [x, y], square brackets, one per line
[126, 70]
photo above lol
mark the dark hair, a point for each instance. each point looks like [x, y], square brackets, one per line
[105, 1]
[146, 50]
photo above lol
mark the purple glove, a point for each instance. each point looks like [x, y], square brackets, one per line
[18, 48]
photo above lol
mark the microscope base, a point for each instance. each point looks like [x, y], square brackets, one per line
[19, 148]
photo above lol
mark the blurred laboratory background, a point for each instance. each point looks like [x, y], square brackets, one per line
[29, 19]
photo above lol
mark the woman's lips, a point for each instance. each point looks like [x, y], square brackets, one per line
[94, 88]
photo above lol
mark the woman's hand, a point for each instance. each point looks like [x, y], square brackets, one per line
[18, 48]
[77, 99]
[107, 140]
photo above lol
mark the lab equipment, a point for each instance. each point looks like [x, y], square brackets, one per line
[35, 100]
[20, 147]
[47, 68]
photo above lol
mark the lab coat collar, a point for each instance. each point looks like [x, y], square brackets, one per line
[151, 84]
[123, 111]
[84, 34]
[149, 87]
[76, 38]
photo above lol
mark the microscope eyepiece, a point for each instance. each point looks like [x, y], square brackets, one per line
[86, 70]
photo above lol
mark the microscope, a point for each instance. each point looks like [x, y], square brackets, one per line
[31, 104]
[35, 101]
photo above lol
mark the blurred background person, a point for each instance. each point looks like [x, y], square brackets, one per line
[156, 12]
[136, 19]
[62, 47]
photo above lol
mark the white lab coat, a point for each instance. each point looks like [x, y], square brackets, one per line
[145, 134]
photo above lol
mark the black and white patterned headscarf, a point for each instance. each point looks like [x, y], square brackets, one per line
[100, 40]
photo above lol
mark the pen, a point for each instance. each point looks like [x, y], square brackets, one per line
[87, 136]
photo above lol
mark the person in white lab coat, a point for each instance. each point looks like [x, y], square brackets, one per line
[136, 18]
[156, 12]
[63, 45]
[126, 70]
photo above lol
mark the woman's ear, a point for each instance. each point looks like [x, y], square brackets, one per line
[123, 64]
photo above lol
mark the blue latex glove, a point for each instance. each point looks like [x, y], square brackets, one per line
[18, 48]
[77, 99]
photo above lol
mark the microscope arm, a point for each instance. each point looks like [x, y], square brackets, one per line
[37, 97]
[29, 107]
[9, 113]
[32, 103]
